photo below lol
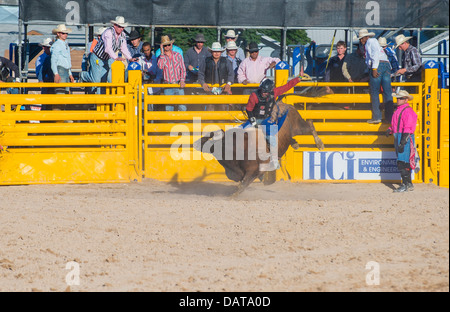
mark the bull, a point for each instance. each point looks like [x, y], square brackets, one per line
[236, 155]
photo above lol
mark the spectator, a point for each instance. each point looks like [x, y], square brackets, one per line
[44, 69]
[194, 57]
[379, 77]
[231, 36]
[403, 126]
[45, 45]
[216, 69]
[61, 63]
[333, 72]
[354, 68]
[5, 67]
[391, 56]
[174, 48]
[231, 55]
[411, 61]
[112, 42]
[150, 71]
[172, 65]
[135, 47]
[253, 69]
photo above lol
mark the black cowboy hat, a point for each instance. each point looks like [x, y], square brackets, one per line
[134, 34]
[199, 38]
[253, 47]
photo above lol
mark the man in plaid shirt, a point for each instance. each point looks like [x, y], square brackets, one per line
[411, 61]
[174, 72]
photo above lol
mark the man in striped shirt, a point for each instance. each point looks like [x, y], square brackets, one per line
[174, 71]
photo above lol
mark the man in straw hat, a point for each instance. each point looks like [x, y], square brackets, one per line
[403, 126]
[194, 57]
[112, 42]
[411, 61]
[216, 69]
[60, 55]
[379, 76]
[231, 37]
[174, 72]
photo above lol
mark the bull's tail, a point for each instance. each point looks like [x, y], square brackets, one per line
[317, 140]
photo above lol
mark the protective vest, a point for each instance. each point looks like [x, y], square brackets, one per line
[264, 107]
[210, 67]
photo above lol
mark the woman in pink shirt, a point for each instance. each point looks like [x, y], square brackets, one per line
[403, 126]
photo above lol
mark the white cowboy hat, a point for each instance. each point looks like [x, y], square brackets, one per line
[230, 34]
[364, 33]
[100, 31]
[382, 41]
[47, 42]
[231, 45]
[400, 39]
[216, 47]
[61, 28]
[120, 20]
[402, 94]
[166, 40]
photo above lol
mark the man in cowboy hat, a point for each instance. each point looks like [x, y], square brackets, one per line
[379, 76]
[403, 126]
[391, 56]
[253, 68]
[411, 61]
[174, 72]
[113, 41]
[61, 62]
[231, 55]
[44, 71]
[135, 46]
[231, 36]
[194, 57]
[216, 69]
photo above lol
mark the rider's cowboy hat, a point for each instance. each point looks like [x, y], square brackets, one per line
[402, 94]
[230, 34]
[231, 45]
[216, 47]
[120, 20]
[61, 28]
[165, 40]
[47, 42]
[400, 39]
[364, 33]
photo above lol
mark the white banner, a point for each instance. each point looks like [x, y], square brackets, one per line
[348, 165]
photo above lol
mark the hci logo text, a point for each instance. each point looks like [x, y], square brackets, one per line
[334, 165]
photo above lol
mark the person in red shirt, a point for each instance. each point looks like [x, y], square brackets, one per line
[259, 109]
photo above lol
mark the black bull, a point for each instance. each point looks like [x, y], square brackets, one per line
[236, 157]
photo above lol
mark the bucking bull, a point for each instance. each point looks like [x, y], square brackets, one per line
[243, 151]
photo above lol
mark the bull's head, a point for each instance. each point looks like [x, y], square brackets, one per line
[210, 138]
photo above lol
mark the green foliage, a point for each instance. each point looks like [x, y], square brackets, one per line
[184, 37]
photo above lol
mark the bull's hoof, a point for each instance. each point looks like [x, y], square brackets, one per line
[270, 177]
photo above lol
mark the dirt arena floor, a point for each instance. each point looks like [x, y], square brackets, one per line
[154, 236]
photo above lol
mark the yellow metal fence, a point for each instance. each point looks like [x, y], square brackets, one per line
[124, 139]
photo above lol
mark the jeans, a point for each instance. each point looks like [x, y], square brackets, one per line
[382, 81]
[99, 71]
[174, 91]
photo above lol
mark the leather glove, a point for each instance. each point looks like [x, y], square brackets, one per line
[403, 141]
[253, 121]
[388, 133]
